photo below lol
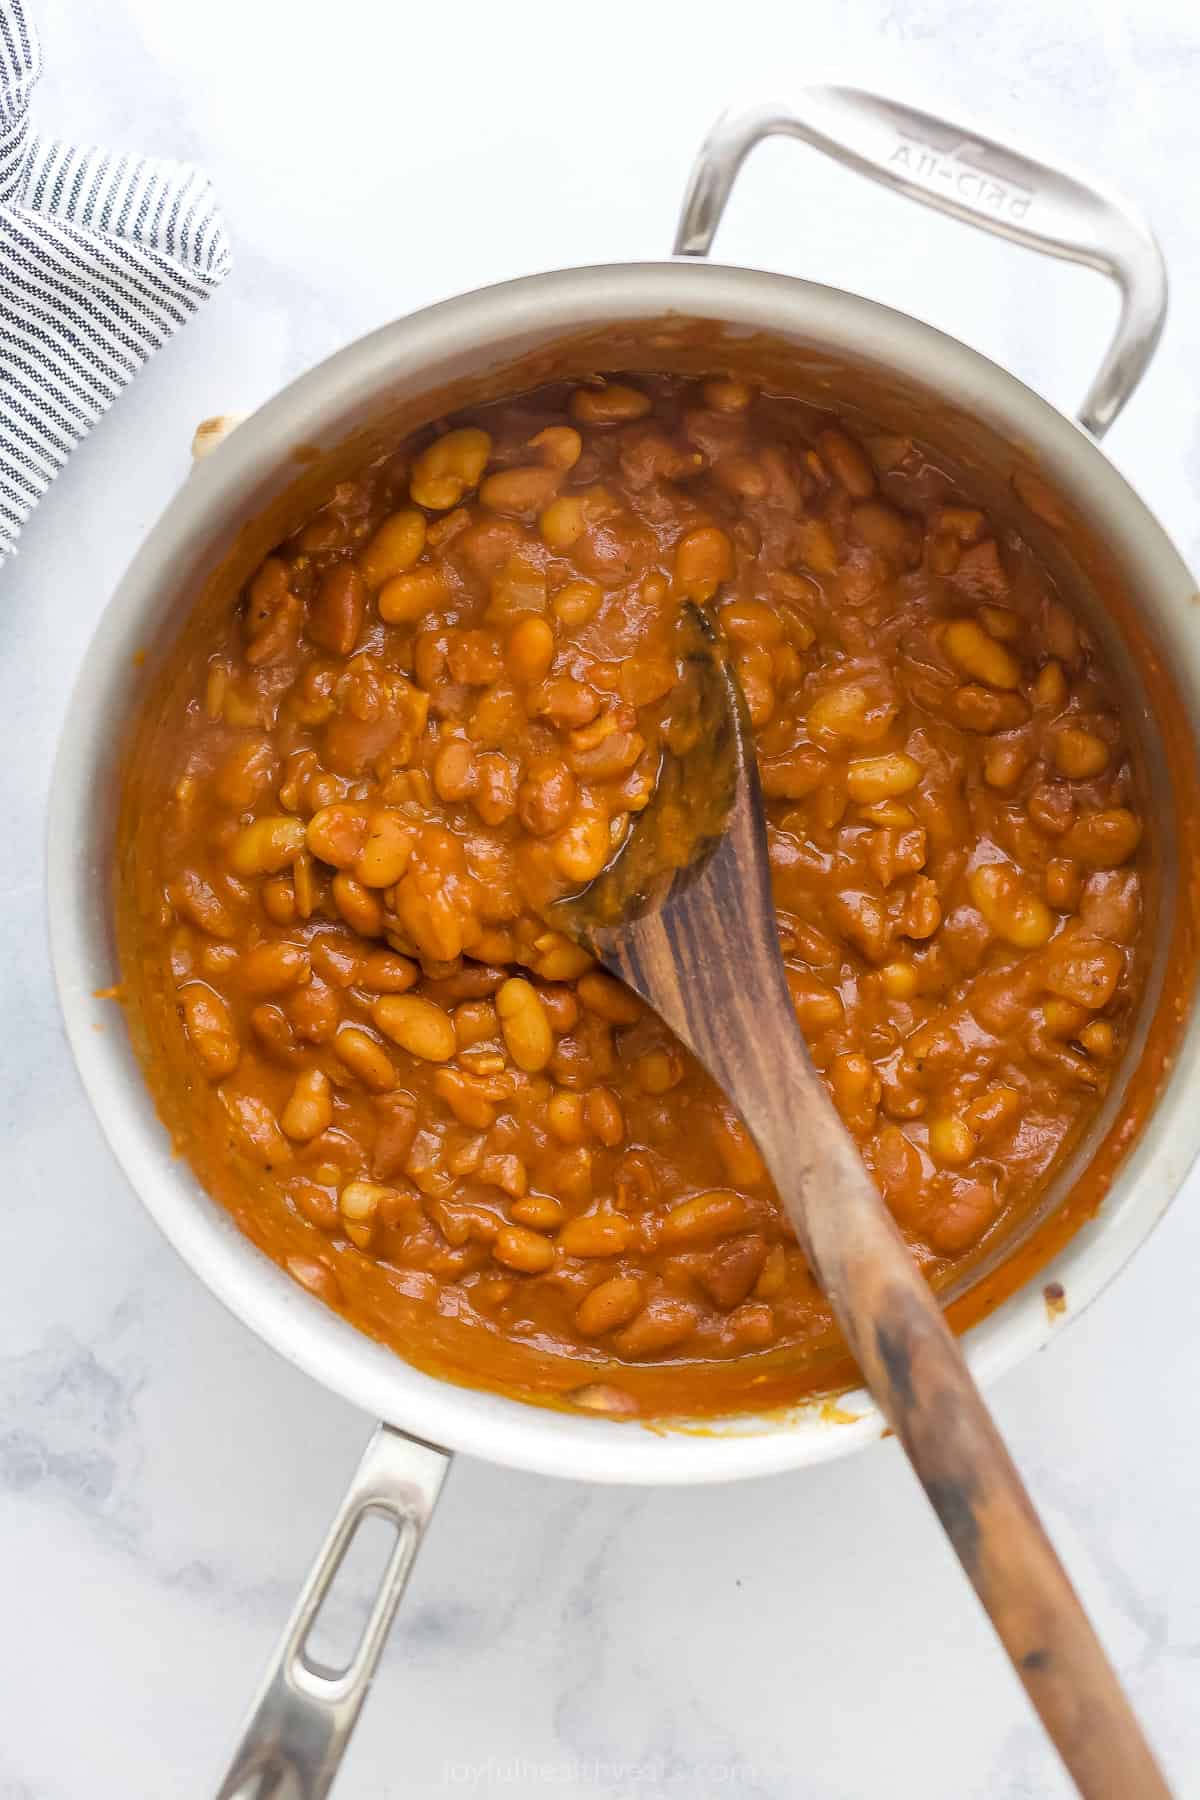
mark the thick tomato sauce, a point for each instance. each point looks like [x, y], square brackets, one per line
[439, 705]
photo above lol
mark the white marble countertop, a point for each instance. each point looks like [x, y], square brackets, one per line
[164, 1478]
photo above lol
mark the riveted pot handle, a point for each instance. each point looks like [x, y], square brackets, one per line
[302, 1719]
[958, 171]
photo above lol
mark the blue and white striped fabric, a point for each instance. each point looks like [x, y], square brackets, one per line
[102, 256]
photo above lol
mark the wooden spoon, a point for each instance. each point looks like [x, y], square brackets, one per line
[683, 914]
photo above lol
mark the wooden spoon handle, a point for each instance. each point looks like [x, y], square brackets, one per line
[915, 1369]
[732, 1006]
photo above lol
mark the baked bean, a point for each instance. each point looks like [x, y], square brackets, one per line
[614, 403]
[871, 778]
[560, 445]
[358, 905]
[749, 1327]
[899, 980]
[558, 959]
[494, 788]
[998, 622]
[1050, 688]
[1063, 883]
[393, 549]
[1004, 764]
[386, 972]
[475, 1022]
[951, 1140]
[1110, 904]
[773, 1279]
[1104, 840]
[971, 649]
[565, 1116]
[336, 835]
[1099, 1039]
[394, 1134]
[404, 599]
[703, 560]
[612, 1303]
[856, 1090]
[660, 1325]
[310, 1108]
[541, 1211]
[273, 968]
[210, 1030]
[1062, 633]
[386, 849]
[847, 463]
[898, 1173]
[359, 1204]
[732, 1268]
[274, 1033]
[530, 649]
[609, 999]
[1063, 1018]
[1079, 754]
[596, 1234]
[261, 1138]
[359, 1052]
[991, 1111]
[520, 492]
[566, 701]
[417, 1025]
[438, 707]
[561, 1006]
[304, 885]
[818, 547]
[519, 1248]
[564, 522]
[1083, 969]
[881, 527]
[581, 849]
[703, 1216]
[1014, 912]
[546, 796]
[982, 709]
[525, 1026]
[1051, 807]
[279, 901]
[576, 603]
[468, 1097]
[449, 468]
[267, 845]
[658, 1071]
[335, 615]
[604, 1116]
[852, 714]
[316, 1276]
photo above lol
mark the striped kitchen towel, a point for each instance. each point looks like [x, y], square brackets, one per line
[102, 256]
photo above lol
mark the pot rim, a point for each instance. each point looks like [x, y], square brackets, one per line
[485, 324]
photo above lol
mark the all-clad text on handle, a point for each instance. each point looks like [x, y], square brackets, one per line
[971, 177]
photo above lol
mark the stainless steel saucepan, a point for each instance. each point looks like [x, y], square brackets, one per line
[1042, 467]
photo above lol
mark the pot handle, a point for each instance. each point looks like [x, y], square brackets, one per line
[302, 1719]
[958, 171]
